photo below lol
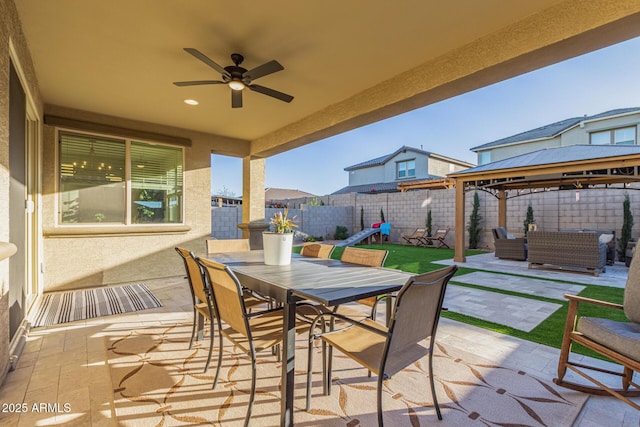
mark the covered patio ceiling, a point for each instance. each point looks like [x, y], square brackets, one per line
[347, 64]
[570, 167]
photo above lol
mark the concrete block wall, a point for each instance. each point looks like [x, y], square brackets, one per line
[318, 221]
[224, 222]
[597, 209]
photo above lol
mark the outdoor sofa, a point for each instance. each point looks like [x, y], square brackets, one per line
[567, 250]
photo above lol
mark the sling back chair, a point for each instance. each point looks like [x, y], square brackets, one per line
[415, 238]
[202, 302]
[251, 332]
[386, 351]
[227, 245]
[202, 299]
[368, 257]
[215, 246]
[437, 239]
[317, 250]
[619, 341]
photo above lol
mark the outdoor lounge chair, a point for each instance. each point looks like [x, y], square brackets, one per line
[414, 239]
[509, 248]
[619, 341]
[386, 351]
[436, 239]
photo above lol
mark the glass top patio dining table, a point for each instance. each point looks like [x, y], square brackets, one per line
[326, 281]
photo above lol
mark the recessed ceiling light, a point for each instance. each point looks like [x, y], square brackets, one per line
[191, 102]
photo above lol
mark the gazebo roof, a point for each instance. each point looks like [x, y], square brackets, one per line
[552, 167]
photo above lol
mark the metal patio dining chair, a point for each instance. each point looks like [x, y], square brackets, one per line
[202, 303]
[317, 250]
[251, 332]
[227, 245]
[386, 351]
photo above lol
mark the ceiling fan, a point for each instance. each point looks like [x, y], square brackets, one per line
[238, 78]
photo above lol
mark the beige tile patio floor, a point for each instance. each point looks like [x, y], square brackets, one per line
[67, 364]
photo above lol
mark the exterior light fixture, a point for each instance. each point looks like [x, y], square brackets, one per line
[236, 84]
[191, 102]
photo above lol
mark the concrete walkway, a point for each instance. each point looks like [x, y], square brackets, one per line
[518, 312]
[615, 275]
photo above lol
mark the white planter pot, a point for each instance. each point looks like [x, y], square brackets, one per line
[277, 248]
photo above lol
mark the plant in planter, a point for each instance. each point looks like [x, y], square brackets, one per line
[529, 219]
[282, 223]
[278, 243]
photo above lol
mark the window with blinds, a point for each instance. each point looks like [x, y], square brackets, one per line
[107, 180]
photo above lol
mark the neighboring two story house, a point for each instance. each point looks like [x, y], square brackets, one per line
[618, 127]
[406, 164]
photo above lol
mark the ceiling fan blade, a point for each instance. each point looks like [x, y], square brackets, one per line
[271, 92]
[236, 98]
[199, 82]
[202, 57]
[263, 70]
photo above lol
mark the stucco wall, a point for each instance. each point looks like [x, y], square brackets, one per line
[98, 259]
[10, 32]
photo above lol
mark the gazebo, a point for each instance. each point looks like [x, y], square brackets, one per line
[574, 166]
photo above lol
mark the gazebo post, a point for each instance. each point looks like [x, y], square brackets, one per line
[502, 208]
[459, 238]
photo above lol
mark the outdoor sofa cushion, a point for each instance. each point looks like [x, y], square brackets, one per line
[632, 291]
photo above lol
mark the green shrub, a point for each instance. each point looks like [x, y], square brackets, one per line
[474, 223]
[627, 225]
[529, 219]
[341, 233]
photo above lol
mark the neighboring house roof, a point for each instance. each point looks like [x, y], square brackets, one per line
[284, 194]
[378, 187]
[384, 159]
[548, 156]
[553, 129]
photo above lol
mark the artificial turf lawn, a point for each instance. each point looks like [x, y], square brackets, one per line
[420, 259]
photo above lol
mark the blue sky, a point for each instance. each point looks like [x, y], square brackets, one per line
[590, 84]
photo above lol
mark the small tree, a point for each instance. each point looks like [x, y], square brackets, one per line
[361, 218]
[474, 223]
[429, 227]
[529, 219]
[627, 225]
[382, 216]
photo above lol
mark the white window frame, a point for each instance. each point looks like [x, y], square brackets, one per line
[611, 133]
[406, 168]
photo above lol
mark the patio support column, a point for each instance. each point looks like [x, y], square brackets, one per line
[502, 208]
[459, 238]
[253, 223]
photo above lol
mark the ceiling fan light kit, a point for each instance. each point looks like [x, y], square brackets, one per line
[238, 78]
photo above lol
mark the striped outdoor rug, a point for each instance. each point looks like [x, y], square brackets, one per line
[62, 307]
